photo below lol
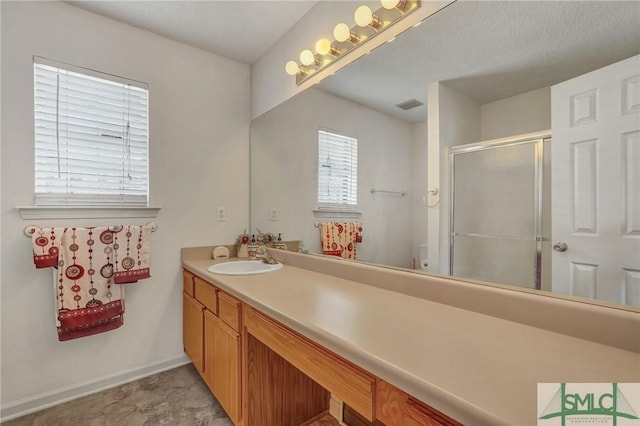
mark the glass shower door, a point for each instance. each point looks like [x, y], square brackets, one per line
[495, 218]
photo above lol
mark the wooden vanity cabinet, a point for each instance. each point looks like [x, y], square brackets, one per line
[284, 377]
[192, 324]
[211, 339]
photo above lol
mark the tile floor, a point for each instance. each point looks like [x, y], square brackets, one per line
[176, 397]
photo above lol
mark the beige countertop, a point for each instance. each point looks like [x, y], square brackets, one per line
[477, 368]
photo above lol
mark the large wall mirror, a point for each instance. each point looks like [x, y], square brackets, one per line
[477, 71]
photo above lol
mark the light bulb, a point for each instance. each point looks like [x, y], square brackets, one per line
[323, 46]
[306, 57]
[292, 68]
[342, 32]
[390, 4]
[363, 16]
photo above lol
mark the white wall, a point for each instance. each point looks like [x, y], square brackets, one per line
[524, 113]
[199, 141]
[284, 145]
[420, 187]
[453, 119]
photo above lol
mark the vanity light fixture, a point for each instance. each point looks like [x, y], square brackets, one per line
[364, 17]
[325, 47]
[368, 25]
[392, 4]
[343, 33]
[292, 68]
[307, 58]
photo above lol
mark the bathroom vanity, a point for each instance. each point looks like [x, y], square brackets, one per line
[397, 348]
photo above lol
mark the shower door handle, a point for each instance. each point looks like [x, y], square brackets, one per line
[560, 246]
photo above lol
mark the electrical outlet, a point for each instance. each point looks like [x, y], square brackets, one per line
[273, 216]
[221, 214]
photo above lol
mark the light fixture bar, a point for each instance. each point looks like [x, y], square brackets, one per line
[326, 52]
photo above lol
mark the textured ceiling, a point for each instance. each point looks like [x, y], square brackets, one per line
[241, 30]
[487, 50]
[490, 50]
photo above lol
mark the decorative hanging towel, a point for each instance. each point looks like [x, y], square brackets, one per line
[88, 301]
[132, 260]
[339, 239]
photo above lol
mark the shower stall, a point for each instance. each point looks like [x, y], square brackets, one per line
[500, 211]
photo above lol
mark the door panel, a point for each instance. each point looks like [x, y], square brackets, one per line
[192, 327]
[497, 211]
[596, 183]
[222, 364]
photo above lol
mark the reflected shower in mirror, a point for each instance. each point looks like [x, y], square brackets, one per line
[483, 71]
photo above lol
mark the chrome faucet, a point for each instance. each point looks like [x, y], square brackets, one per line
[262, 253]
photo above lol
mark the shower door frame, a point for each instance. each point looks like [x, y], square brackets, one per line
[538, 139]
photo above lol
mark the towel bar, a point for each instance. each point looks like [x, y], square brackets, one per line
[319, 224]
[401, 193]
[29, 230]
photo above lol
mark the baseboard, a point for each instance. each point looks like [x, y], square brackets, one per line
[49, 399]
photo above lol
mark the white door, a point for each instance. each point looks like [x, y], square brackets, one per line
[595, 122]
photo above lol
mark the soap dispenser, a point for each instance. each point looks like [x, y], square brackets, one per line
[279, 244]
[253, 247]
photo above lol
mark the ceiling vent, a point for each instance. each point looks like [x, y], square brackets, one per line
[411, 103]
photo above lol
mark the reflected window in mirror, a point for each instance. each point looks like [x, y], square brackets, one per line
[337, 171]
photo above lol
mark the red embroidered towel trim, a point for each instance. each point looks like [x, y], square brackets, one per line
[128, 277]
[77, 319]
[109, 325]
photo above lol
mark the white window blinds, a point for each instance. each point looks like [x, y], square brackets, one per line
[337, 171]
[91, 138]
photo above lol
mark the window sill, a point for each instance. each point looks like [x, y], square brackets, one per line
[337, 213]
[55, 212]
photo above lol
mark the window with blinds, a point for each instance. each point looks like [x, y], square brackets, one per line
[337, 171]
[91, 138]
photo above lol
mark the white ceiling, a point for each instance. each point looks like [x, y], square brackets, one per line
[241, 30]
[487, 50]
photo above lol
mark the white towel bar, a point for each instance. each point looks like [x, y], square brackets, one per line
[401, 193]
[29, 230]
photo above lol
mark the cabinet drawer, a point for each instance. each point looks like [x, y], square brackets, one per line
[348, 382]
[206, 294]
[229, 310]
[187, 282]
[396, 408]
[419, 414]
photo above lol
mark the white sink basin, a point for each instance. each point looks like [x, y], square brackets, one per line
[244, 267]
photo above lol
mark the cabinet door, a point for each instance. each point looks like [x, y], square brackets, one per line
[222, 364]
[192, 330]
